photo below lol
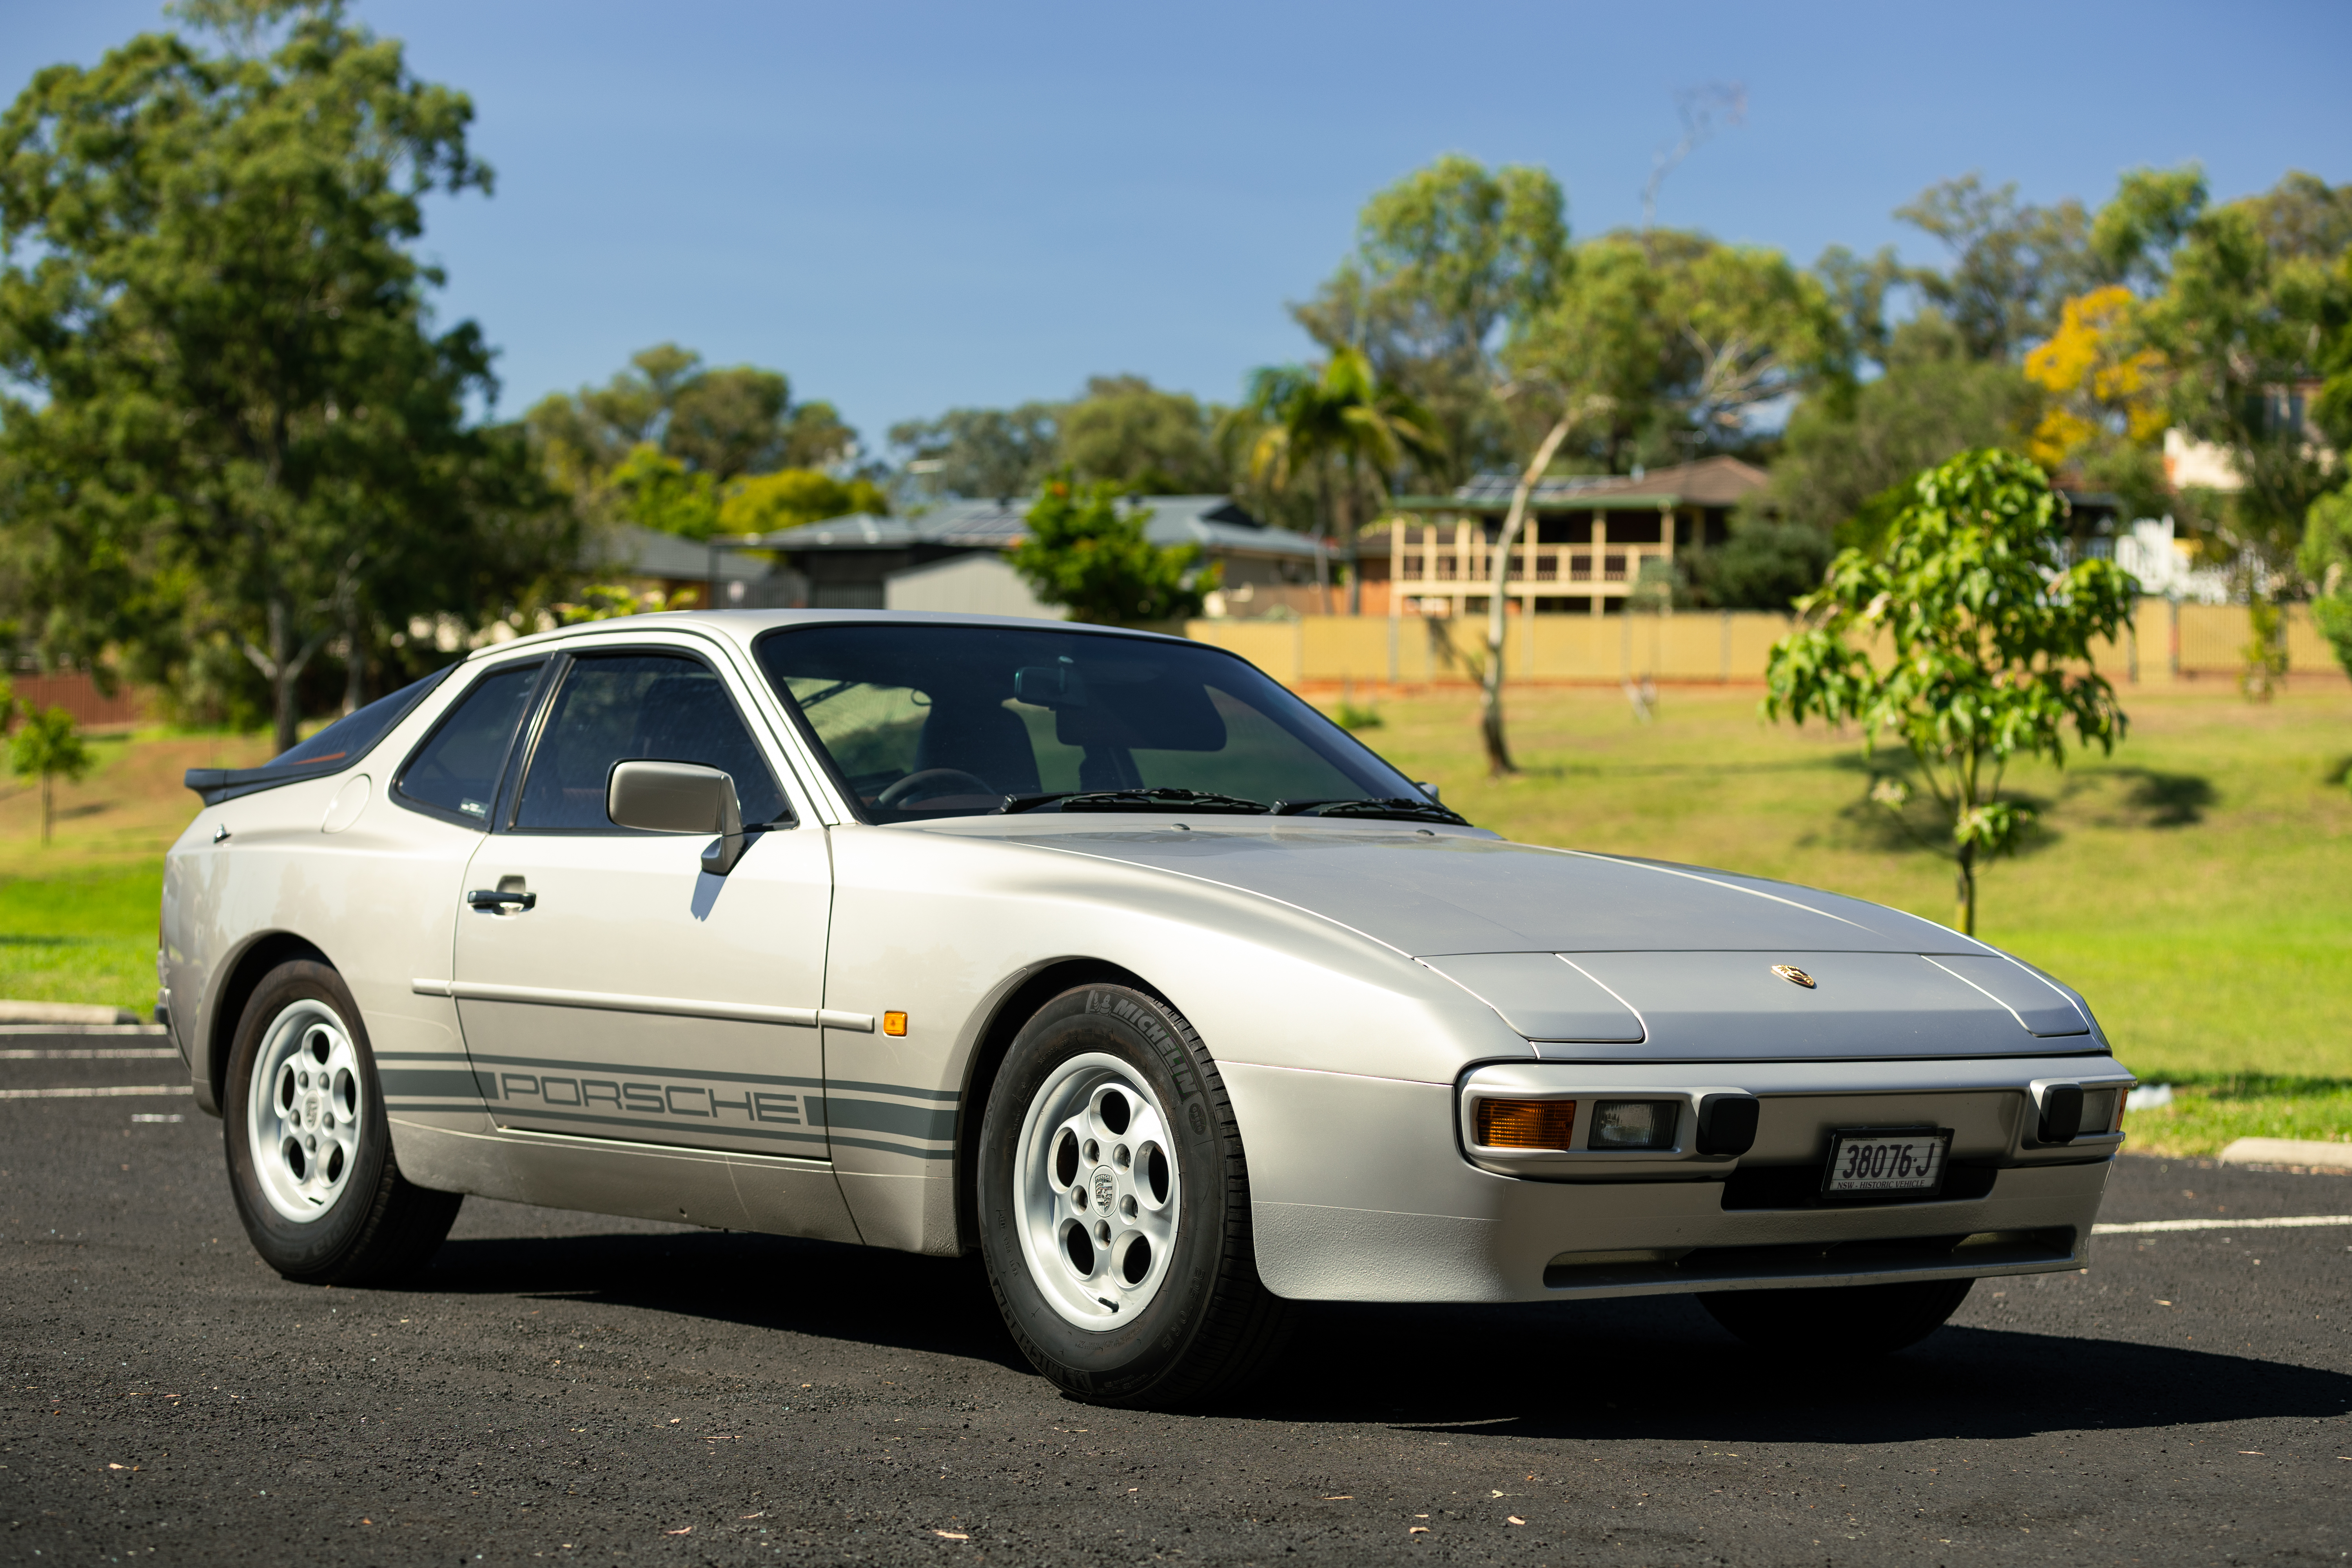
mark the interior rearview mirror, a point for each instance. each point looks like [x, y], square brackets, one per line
[1049, 686]
[680, 798]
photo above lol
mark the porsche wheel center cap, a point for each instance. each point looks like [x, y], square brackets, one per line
[1105, 1190]
[309, 1117]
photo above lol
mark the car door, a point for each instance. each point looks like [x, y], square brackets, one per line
[608, 987]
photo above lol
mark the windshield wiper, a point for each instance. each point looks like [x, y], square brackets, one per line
[1393, 808]
[1136, 800]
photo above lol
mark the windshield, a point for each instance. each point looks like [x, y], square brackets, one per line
[943, 720]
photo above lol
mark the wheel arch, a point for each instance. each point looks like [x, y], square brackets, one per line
[1018, 1004]
[262, 954]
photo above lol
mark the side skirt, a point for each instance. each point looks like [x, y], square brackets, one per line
[640, 1181]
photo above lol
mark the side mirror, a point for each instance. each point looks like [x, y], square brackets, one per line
[680, 798]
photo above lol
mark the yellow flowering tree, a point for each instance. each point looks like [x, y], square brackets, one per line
[2105, 414]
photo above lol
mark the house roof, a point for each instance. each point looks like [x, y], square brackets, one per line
[1214, 522]
[1712, 481]
[643, 552]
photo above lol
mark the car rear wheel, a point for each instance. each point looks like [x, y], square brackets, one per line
[1841, 1322]
[1114, 1207]
[310, 1154]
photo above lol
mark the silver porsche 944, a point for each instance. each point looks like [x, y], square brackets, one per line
[1103, 956]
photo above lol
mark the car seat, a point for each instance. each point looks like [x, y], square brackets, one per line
[984, 739]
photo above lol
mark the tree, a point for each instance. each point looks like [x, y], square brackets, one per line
[242, 429]
[2251, 301]
[1767, 563]
[2303, 217]
[1664, 330]
[2327, 560]
[48, 744]
[723, 422]
[657, 491]
[2134, 236]
[1745, 327]
[2014, 263]
[1340, 430]
[791, 496]
[1842, 446]
[1446, 259]
[1086, 551]
[1985, 640]
[1490, 714]
[667, 441]
[1148, 441]
[2326, 555]
[2105, 415]
[992, 454]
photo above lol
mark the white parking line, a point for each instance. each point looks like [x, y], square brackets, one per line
[2289, 1221]
[105, 1053]
[109, 1092]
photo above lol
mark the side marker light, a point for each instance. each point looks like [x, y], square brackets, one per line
[1523, 1124]
[893, 1023]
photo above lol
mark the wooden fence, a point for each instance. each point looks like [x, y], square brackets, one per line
[2189, 645]
[78, 695]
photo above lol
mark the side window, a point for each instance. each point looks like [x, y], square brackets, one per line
[618, 707]
[457, 770]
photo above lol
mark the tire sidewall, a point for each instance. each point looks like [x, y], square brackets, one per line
[318, 1247]
[1123, 1363]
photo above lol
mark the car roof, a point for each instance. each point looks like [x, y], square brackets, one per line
[744, 626]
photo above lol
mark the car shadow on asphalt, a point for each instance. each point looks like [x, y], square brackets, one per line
[937, 1305]
[1659, 1367]
[1649, 1367]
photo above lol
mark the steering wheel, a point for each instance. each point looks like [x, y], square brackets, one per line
[926, 785]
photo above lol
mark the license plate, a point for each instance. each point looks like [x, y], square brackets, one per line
[1908, 1159]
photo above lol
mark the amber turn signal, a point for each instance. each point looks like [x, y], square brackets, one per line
[1523, 1124]
[893, 1023]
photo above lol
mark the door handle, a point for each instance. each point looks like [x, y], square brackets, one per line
[500, 899]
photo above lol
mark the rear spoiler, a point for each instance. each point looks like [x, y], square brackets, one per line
[324, 754]
[217, 784]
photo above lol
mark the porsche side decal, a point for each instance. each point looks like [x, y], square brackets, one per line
[766, 1107]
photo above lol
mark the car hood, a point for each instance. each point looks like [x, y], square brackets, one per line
[1451, 892]
[1614, 957]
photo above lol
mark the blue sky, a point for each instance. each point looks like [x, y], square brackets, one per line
[911, 206]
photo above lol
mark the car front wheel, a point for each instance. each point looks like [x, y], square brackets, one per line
[1114, 1205]
[310, 1154]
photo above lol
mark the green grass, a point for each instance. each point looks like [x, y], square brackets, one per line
[2196, 886]
[2205, 1118]
[82, 936]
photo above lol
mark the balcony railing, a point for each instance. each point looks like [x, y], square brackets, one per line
[1561, 568]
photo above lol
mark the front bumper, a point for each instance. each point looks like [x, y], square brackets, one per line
[1362, 1191]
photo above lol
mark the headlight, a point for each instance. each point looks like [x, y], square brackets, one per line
[1635, 1123]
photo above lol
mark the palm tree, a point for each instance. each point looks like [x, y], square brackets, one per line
[1345, 428]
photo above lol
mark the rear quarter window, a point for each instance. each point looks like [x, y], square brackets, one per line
[455, 773]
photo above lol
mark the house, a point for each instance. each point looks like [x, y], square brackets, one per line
[951, 557]
[670, 565]
[1586, 540]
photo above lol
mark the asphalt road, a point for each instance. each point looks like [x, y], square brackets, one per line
[566, 1386]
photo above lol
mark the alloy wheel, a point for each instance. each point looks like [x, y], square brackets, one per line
[1096, 1191]
[303, 1120]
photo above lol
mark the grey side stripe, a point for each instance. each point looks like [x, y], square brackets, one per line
[619, 1001]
